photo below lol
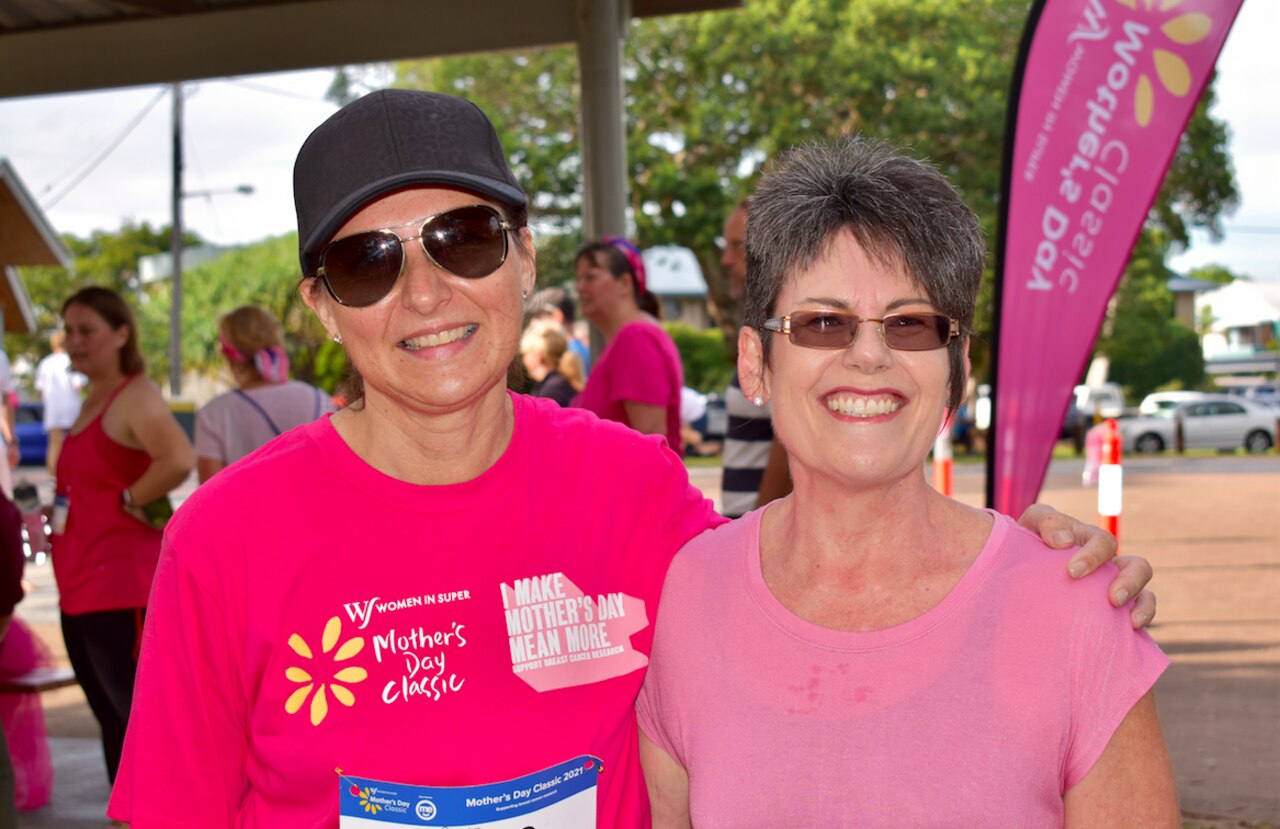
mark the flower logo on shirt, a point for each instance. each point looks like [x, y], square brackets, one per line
[370, 807]
[321, 677]
[1171, 69]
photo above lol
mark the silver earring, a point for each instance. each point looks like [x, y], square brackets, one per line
[337, 338]
[524, 294]
[758, 401]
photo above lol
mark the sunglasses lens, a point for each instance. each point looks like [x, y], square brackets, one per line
[469, 242]
[822, 329]
[916, 332]
[361, 269]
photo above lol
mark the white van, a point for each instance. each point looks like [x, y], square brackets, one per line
[1107, 400]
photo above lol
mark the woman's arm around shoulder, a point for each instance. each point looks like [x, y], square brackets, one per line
[1097, 547]
[1131, 786]
[668, 785]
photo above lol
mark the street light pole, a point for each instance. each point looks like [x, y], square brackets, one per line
[175, 246]
[175, 251]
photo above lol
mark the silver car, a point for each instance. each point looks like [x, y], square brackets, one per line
[1214, 421]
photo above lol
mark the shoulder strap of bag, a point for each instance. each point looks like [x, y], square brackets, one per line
[275, 430]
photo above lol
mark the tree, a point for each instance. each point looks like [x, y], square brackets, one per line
[1147, 346]
[106, 258]
[711, 96]
[264, 274]
[1213, 273]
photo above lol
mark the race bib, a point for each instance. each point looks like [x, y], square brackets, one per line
[562, 796]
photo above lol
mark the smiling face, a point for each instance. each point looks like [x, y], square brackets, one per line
[866, 413]
[436, 342]
[92, 344]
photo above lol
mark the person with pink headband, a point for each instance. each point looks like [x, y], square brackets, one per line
[264, 404]
[638, 376]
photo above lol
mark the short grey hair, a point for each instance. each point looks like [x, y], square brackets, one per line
[900, 211]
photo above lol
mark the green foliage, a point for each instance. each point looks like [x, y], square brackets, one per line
[703, 355]
[1148, 348]
[1213, 273]
[106, 258]
[264, 274]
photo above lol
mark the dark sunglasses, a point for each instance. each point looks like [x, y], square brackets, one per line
[362, 268]
[920, 331]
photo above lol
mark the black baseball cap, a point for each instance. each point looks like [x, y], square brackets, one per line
[389, 140]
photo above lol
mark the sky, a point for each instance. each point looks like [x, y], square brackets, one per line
[247, 131]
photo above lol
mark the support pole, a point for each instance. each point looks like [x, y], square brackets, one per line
[601, 30]
[175, 252]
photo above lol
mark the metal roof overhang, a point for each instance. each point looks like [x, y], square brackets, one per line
[52, 46]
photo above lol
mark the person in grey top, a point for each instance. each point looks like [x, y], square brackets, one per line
[265, 403]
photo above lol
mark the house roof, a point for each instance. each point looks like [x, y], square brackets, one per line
[673, 271]
[1187, 285]
[1242, 303]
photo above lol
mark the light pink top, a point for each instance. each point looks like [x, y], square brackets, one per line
[311, 613]
[981, 712]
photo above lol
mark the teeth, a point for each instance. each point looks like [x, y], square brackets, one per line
[443, 338]
[851, 405]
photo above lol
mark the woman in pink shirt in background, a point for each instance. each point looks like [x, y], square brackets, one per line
[638, 377]
[866, 651]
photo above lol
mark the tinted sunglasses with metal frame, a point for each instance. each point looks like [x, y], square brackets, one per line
[360, 269]
[916, 331]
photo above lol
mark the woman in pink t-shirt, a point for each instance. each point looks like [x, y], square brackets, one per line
[638, 377]
[867, 651]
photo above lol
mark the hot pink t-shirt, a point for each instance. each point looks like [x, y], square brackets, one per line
[981, 712]
[313, 614]
[639, 365]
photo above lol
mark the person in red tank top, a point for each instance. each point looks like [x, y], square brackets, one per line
[124, 451]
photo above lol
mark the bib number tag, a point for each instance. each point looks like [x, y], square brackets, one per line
[562, 796]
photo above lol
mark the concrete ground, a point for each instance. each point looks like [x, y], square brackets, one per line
[1209, 525]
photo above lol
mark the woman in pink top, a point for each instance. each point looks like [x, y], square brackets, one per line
[867, 651]
[638, 377]
[435, 604]
[124, 452]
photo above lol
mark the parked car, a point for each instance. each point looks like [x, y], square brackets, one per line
[33, 440]
[1215, 421]
[1159, 401]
